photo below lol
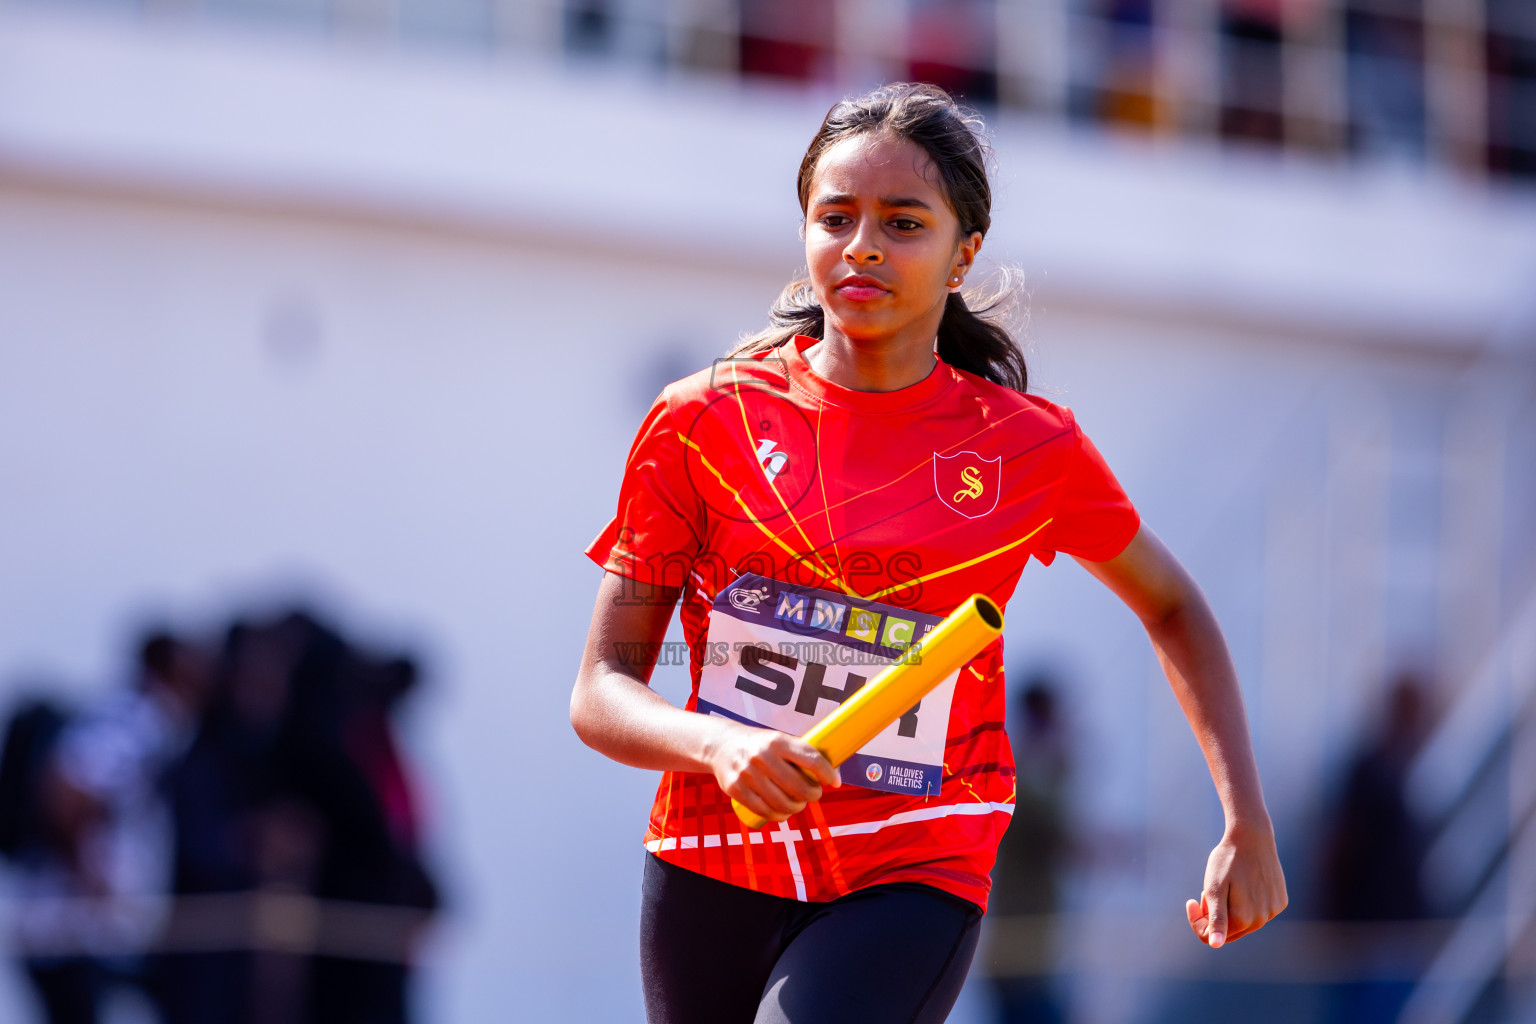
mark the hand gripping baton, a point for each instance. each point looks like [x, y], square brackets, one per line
[962, 635]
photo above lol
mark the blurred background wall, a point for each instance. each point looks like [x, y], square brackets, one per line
[358, 303]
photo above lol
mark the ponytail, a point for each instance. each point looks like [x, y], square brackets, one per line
[978, 340]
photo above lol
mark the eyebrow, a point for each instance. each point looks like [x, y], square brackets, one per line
[845, 199]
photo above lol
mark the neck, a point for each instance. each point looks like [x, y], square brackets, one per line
[887, 364]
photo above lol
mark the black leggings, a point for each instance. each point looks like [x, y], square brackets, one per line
[715, 953]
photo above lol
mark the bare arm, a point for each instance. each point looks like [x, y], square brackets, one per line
[1244, 884]
[616, 713]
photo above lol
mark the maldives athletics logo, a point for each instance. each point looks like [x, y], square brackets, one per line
[968, 483]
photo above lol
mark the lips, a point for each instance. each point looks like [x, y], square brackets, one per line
[860, 288]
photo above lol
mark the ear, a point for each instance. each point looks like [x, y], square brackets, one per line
[965, 258]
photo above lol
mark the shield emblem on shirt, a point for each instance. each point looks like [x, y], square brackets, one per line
[968, 483]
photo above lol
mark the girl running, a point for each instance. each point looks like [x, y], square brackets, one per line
[816, 502]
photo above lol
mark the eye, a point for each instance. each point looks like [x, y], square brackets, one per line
[834, 220]
[905, 224]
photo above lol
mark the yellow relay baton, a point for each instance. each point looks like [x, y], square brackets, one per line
[962, 635]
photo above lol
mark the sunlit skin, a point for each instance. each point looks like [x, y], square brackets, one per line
[885, 248]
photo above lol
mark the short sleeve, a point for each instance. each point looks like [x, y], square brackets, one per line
[657, 533]
[1093, 517]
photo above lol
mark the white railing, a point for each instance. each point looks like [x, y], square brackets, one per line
[1493, 723]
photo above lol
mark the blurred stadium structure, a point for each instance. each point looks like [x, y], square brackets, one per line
[367, 297]
[1450, 81]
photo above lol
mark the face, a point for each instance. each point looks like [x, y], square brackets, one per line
[881, 241]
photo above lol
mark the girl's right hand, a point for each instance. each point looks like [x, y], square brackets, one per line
[772, 773]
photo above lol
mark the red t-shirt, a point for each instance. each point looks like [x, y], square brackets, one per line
[789, 508]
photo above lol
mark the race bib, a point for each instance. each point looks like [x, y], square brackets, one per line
[784, 657]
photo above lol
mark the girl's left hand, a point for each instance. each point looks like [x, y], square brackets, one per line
[1244, 887]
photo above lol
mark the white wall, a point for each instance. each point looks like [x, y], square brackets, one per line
[437, 465]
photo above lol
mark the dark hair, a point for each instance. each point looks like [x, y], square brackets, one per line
[972, 339]
[157, 653]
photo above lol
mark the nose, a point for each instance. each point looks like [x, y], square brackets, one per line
[863, 249]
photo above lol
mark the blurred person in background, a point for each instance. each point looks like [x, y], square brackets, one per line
[238, 829]
[42, 828]
[89, 844]
[1252, 89]
[953, 44]
[1127, 90]
[295, 792]
[1033, 854]
[1385, 50]
[1374, 853]
[787, 39]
